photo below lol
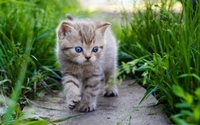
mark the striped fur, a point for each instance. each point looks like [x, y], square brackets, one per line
[82, 77]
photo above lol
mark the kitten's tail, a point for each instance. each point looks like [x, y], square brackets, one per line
[69, 17]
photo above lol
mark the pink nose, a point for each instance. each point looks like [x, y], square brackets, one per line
[87, 57]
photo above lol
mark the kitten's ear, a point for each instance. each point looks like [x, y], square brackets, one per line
[102, 28]
[64, 28]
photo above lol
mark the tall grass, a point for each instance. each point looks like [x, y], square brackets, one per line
[27, 41]
[165, 48]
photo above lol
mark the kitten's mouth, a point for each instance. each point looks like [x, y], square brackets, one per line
[87, 62]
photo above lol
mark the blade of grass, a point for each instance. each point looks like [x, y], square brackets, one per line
[19, 82]
[148, 93]
[66, 118]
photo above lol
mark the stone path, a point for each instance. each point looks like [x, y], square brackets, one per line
[121, 110]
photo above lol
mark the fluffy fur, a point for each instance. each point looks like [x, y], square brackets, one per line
[83, 72]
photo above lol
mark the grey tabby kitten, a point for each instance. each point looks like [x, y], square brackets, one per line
[87, 53]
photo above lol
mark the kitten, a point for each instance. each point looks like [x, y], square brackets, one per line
[87, 53]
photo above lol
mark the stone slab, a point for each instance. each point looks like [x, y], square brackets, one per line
[121, 110]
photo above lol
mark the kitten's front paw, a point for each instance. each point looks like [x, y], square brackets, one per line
[83, 107]
[73, 101]
[110, 92]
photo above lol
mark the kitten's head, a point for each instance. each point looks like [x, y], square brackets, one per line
[81, 41]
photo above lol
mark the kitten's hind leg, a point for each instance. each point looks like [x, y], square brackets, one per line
[110, 88]
[71, 91]
[90, 94]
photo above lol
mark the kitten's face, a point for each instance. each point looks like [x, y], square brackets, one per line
[81, 42]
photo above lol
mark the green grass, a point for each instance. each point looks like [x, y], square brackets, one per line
[27, 59]
[162, 50]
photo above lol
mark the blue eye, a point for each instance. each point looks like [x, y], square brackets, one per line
[78, 49]
[95, 49]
